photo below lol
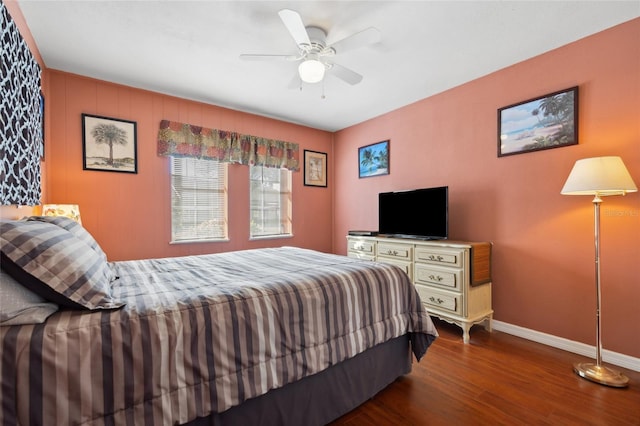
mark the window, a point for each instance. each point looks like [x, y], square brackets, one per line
[270, 200]
[198, 199]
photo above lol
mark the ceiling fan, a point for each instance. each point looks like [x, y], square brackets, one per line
[313, 52]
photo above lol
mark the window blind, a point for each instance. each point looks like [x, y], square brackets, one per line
[198, 199]
[270, 201]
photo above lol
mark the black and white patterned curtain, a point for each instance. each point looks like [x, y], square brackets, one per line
[20, 118]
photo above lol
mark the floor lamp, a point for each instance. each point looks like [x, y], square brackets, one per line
[600, 176]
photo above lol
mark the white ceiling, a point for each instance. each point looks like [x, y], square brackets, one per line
[191, 49]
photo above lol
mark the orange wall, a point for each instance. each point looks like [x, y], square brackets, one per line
[543, 264]
[129, 214]
[543, 243]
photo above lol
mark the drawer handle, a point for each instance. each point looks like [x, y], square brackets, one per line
[438, 258]
[435, 278]
[438, 300]
[392, 252]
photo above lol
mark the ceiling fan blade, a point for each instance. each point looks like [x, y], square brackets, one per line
[345, 74]
[365, 37]
[258, 57]
[294, 24]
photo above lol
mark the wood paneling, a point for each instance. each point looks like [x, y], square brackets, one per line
[129, 214]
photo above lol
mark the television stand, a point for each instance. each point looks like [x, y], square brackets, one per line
[453, 278]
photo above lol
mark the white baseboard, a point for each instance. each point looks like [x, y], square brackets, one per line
[621, 360]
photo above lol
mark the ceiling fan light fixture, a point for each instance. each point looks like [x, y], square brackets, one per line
[311, 71]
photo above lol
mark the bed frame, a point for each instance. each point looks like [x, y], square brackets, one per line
[325, 396]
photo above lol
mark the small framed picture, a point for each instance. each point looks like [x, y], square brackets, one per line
[109, 144]
[315, 168]
[550, 121]
[373, 160]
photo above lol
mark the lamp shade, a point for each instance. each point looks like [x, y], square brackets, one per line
[311, 71]
[72, 211]
[599, 176]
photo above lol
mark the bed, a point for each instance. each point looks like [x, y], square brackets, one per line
[267, 336]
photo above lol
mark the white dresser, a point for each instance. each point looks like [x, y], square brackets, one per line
[453, 278]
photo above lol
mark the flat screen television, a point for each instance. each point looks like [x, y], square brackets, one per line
[418, 213]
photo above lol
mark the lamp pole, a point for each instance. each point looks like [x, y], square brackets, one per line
[596, 214]
[597, 372]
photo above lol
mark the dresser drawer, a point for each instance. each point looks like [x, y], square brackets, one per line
[398, 251]
[361, 256]
[362, 247]
[449, 278]
[439, 256]
[445, 301]
[405, 266]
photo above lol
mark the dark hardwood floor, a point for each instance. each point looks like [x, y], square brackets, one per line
[497, 379]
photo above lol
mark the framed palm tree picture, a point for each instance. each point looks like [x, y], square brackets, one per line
[373, 160]
[109, 144]
[549, 121]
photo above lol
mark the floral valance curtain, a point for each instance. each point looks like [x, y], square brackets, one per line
[185, 140]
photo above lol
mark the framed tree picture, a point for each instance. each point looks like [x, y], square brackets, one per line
[373, 160]
[315, 168]
[109, 144]
[549, 121]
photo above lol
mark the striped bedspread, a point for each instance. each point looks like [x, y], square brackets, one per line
[200, 334]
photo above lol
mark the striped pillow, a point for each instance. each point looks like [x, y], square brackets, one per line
[75, 228]
[55, 264]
